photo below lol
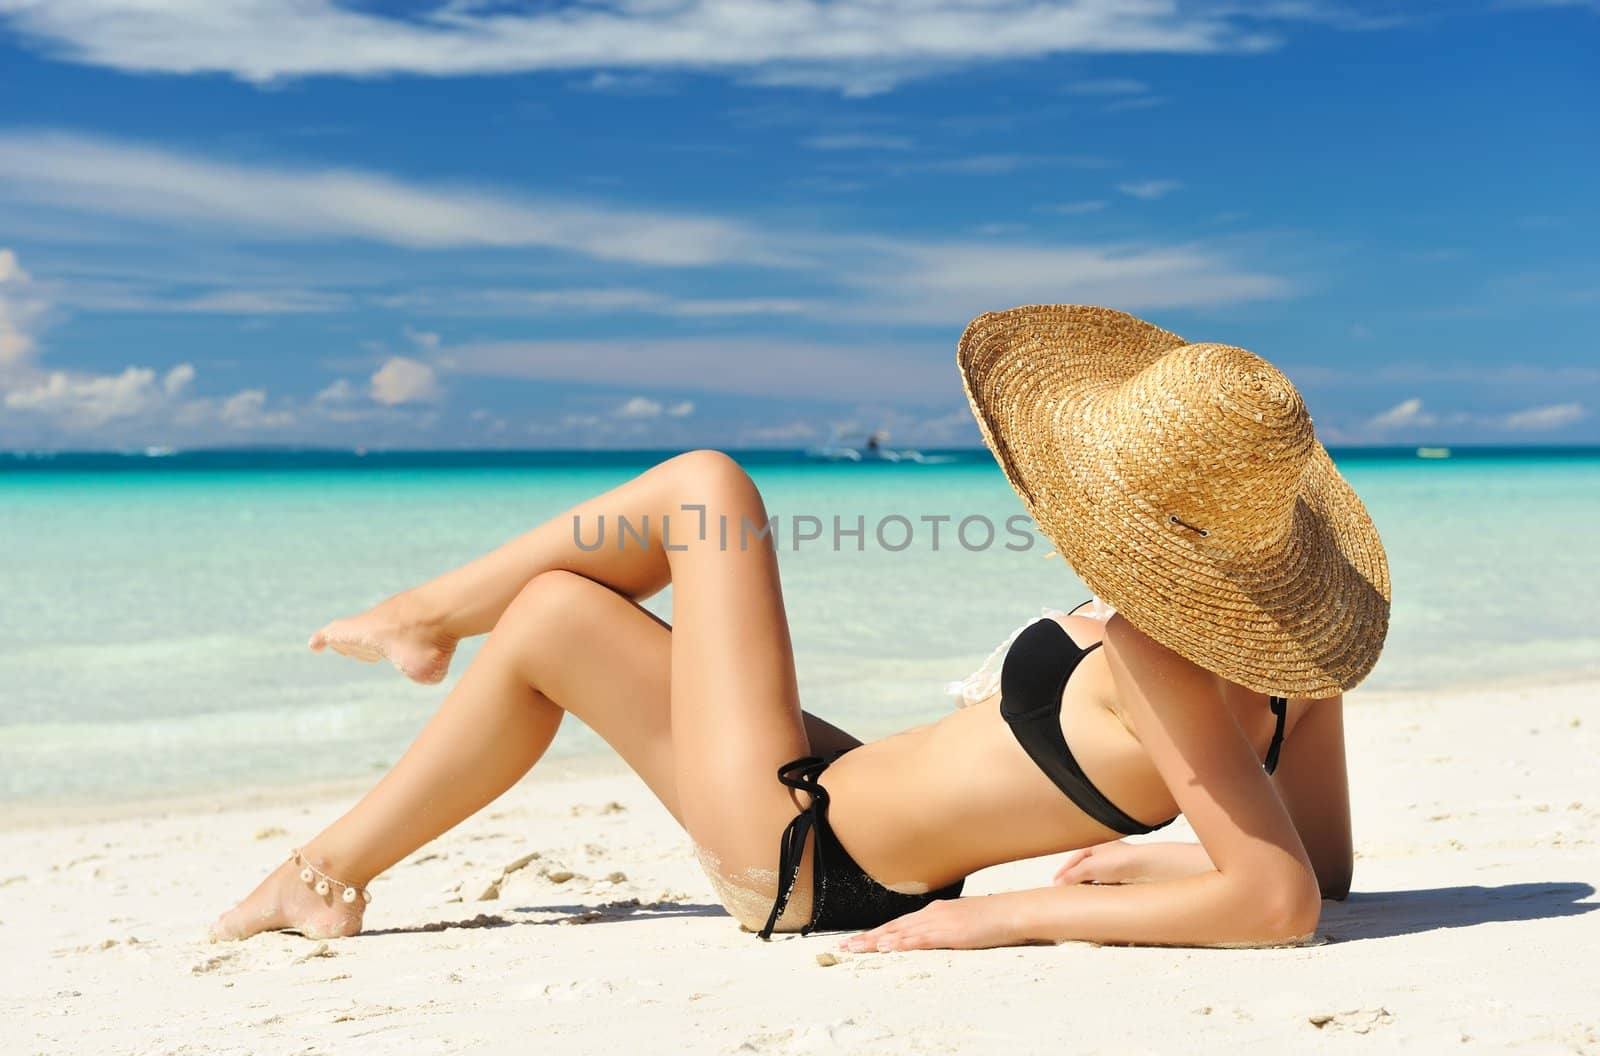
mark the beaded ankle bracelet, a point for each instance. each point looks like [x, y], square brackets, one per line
[322, 883]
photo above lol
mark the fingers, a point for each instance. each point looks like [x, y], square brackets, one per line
[882, 939]
[875, 941]
[902, 933]
[948, 924]
[1072, 870]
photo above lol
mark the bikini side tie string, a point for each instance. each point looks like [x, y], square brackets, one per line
[802, 775]
[1280, 708]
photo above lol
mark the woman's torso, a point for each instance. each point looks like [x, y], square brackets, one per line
[938, 802]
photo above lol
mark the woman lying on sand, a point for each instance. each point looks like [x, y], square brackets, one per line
[1182, 482]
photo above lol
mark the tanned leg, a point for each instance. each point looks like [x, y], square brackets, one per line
[417, 629]
[703, 714]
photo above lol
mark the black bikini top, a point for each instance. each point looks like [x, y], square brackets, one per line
[1032, 680]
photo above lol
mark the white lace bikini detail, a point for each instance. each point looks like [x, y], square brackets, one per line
[985, 681]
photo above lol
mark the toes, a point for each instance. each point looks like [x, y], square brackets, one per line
[355, 649]
[228, 928]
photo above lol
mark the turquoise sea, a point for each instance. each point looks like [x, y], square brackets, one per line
[154, 610]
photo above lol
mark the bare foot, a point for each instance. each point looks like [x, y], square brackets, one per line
[393, 629]
[284, 902]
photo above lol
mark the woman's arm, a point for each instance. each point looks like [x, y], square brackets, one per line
[1312, 782]
[1261, 888]
[1120, 862]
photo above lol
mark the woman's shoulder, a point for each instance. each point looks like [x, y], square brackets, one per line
[985, 681]
[1141, 653]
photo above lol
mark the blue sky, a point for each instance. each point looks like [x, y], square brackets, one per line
[761, 222]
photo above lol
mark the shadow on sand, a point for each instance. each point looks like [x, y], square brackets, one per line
[1387, 914]
[604, 913]
[1365, 915]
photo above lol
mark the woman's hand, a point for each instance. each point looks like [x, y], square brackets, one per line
[948, 924]
[1105, 863]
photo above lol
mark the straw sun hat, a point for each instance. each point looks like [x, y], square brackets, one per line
[1183, 483]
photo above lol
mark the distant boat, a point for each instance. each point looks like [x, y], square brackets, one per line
[872, 451]
[1433, 452]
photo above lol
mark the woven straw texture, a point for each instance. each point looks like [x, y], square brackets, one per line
[1184, 484]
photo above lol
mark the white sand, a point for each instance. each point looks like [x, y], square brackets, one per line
[1473, 929]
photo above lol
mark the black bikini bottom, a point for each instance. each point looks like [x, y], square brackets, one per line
[844, 897]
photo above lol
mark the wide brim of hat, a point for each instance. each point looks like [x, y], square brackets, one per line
[1306, 616]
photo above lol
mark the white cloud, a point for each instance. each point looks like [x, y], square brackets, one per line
[339, 391]
[85, 401]
[109, 178]
[937, 283]
[135, 294]
[607, 83]
[1404, 414]
[639, 407]
[999, 164]
[121, 180]
[75, 401]
[220, 302]
[1589, 5]
[404, 380]
[788, 432]
[643, 407]
[140, 405]
[21, 309]
[858, 46]
[1074, 208]
[426, 340]
[1496, 375]
[82, 404]
[704, 306]
[1149, 190]
[247, 410]
[955, 282]
[1411, 414]
[603, 300]
[177, 379]
[258, 302]
[1541, 418]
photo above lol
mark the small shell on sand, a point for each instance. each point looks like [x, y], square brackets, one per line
[271, 832]
[826, 959]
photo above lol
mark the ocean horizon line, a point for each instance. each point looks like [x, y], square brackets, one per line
[812, 454]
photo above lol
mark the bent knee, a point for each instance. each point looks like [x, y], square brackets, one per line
[709, 474]
[551, 617]
[550, 600]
